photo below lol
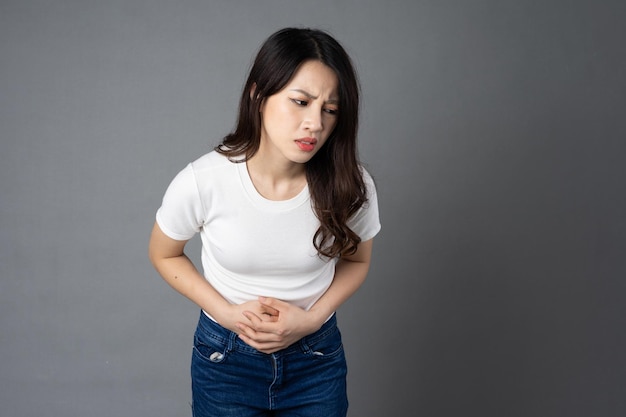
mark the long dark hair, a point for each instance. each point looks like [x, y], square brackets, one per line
[333, 174]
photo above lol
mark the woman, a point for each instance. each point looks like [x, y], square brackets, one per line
[286, 216]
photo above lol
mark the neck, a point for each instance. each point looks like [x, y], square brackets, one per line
[276, 180]
[277, 171]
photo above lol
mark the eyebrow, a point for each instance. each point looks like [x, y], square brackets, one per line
[311, 96]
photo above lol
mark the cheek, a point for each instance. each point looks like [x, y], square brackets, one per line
[271, 117]
[327, 132]
[330, 125]
[278, 116]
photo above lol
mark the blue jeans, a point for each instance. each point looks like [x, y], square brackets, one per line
[230, 378]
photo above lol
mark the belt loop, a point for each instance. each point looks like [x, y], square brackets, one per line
[304, 346]
[232, 338]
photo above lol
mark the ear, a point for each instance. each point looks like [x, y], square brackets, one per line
[253, 97]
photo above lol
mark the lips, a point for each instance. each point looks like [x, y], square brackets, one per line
[306, 144]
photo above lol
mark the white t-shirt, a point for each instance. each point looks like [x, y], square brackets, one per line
[252, 246]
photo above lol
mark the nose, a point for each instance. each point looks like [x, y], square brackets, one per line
[313, 120]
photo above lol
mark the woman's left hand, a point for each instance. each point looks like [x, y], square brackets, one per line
[292, 324]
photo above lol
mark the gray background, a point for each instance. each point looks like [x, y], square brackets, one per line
[496, 131]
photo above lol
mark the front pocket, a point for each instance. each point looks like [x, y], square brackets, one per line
[327, 347]
[211, 351]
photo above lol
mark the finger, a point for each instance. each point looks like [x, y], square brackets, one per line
[271, 311]
[254, 321]
[270, 317]
[265, 347]
[264, 326]
[258, 340]
[274, 303]
[258, 329]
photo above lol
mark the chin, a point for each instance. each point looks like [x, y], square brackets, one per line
[303, 159]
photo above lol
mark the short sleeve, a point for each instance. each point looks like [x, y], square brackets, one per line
[366, 222]
[181, 214]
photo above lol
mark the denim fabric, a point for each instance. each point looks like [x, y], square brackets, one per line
[230, 378]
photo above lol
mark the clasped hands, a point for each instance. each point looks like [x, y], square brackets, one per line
[269, 324]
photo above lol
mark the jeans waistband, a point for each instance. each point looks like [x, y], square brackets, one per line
[214, 330]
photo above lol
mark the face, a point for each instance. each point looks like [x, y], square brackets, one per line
[296, 121]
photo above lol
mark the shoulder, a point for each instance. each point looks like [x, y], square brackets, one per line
[211, 160]
[204, 170]
[366, 175]
[212, 165]
[368, 180]
[366, 222]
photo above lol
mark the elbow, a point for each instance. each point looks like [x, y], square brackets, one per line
[151, 253]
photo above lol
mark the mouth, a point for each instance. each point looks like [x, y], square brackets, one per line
[306, 144]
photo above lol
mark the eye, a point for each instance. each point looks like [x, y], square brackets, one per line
[331, 111]
[299, 102]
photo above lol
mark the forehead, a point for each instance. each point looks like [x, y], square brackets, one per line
[316, 78]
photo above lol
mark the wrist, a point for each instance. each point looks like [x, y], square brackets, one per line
[222, 313]
[318, 316]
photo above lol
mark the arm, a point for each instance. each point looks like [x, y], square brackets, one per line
[168, 258]
[293, 323]
[350, 273]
